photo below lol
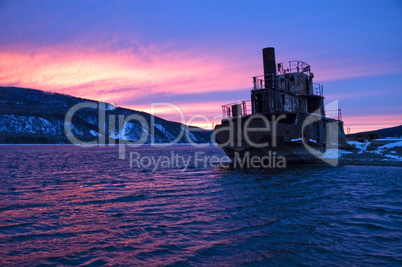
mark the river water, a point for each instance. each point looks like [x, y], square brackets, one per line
[67, 205]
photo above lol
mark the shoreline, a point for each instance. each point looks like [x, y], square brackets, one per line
[370, 158]
[355, 157]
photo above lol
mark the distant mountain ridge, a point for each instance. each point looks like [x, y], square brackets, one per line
[386, 132]
[35, 116]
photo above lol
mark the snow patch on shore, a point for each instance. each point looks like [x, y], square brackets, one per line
[334, 153]
[359, 145]
[383, 150]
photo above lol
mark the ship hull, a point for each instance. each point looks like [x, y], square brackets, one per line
[292, 138]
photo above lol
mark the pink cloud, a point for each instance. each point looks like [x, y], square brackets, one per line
[118, 75]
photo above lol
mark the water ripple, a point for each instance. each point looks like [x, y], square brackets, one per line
[64, 205]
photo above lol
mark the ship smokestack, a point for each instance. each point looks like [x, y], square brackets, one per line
[268, 56]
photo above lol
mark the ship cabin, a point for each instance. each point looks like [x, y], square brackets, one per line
[280, 90]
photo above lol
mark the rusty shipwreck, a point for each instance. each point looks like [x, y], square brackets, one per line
[285, 118]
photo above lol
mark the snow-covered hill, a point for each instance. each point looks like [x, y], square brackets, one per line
[34, 116]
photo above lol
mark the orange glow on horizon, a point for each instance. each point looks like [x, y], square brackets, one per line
[371, 123]
[212, 113]
[204, 115]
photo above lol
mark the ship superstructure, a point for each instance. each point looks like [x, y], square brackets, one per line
[285, 116]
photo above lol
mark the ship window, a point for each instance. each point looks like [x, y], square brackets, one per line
[259, 104]
[283, 100]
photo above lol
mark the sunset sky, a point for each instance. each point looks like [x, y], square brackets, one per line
[200, 55]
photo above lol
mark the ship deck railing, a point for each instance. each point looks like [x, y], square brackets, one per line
[318, 89]
[259, 83]
[236, 109]
[244, 108]
[294, 66]
[334, 114]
